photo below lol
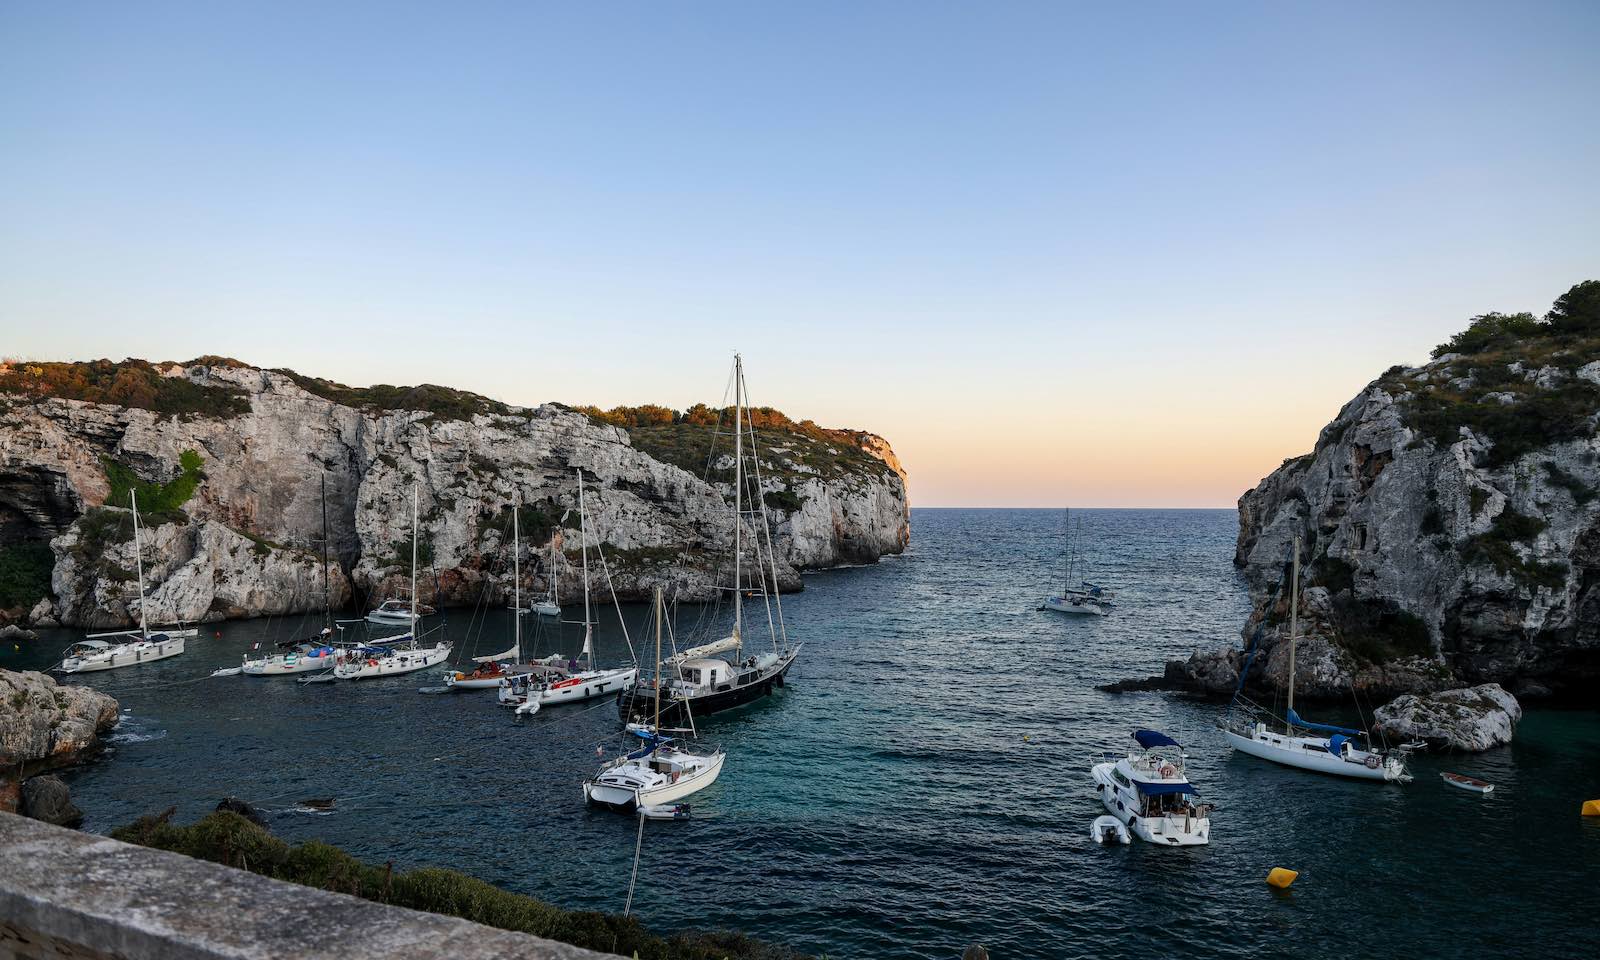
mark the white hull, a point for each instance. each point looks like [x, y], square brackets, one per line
[472, 683]
[390, 620]
[392, 664]
[1165, 831]
[122, 655]
[547, 609]
[283, 666]
[1310, 753]
[624, 796]
[1108, 829]
[587, 685]
[1071, 605]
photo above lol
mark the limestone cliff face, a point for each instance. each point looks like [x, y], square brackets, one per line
[1450, 517]
[245, 544]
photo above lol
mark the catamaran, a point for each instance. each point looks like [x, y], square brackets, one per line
[1343, 751]
[1088, 599]
[531, 691]
[1149, 793]
[403, 654]
[134, 647]
[706, 679]
[661, 771]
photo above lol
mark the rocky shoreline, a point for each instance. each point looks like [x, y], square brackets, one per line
[231, 462]
[46, 726]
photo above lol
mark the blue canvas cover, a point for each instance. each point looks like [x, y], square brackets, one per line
[1162, 789]
[1294, 719]
[1152, 738]
[1336, 744]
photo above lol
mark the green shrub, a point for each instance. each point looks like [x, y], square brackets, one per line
[154, 498]
[230, 839]
[1496, 547]
[1578, 310]
[25, 573]
[1495, 331]
[786, 500]
[443, 402]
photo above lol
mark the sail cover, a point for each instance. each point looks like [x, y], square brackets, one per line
[707, 649]
[1162, 789]
[1294, 720]
[507, 655]
[1152, 738]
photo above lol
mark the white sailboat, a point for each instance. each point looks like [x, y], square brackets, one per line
[1148, 791]
[1341, 751]
[550, 606]
[706, 680]
[1085, 599]
[365, 663]
[312, 654]
[578, 685]
[496, 669]
[660, 772]
[134, 647]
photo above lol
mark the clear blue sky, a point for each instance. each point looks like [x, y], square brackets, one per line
[1112, 254]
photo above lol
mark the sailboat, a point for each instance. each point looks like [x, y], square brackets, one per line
[550, 606]
[135, 647]
[662, 770]
[532, 692]
[1086, 599]
[706, 680]
[1342, 751]
[313, 653]
[403, 655]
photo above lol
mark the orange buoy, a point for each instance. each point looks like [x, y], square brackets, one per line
[1281, 878]
[1591, 808]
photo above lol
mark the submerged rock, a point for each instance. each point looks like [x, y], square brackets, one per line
[48, 799]
[45, 725]
[1471, 719]
[243, 809]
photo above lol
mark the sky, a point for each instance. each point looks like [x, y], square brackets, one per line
[1056, 253]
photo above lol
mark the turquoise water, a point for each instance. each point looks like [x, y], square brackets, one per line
[921, 784]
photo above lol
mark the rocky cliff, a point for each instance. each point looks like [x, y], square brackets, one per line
[44, 726]
[1450, 520]
[230, 463]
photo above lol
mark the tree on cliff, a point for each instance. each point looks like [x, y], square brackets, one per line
[1575, 313]
[1577, 310]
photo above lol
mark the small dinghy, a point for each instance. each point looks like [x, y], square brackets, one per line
[1108, 829]
[1467, 783]
[227, 671]
[665, 811]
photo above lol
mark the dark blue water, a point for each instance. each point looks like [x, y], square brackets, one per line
[921, 784]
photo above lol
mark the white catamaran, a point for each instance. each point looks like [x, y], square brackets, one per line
[129, 648]
[1341, 751]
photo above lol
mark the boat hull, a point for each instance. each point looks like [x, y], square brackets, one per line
[584, 687]
[125, 655]
[627, 800]
[1290, 752]
[640, 704]
[396, 664]
[1083, 609]
[1163, 831]
[280, 667]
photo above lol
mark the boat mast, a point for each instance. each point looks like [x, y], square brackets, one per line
[583, 546]
[138, 562]
[516, 576]
[327, 596]
[1294, 623]
[1066, 528]
[552, 591]
[738, 496]
[415, 487]
[660, 612]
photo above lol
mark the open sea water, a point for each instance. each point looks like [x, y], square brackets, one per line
[921, 784]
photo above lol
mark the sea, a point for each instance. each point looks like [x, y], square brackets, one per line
[921, 783]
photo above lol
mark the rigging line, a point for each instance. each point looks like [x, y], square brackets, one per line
[772, 554]
[605, 569]
[638, 845]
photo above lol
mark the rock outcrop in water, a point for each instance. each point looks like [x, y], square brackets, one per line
[1450, 517]
[45, 725]
[1472, 720]
[230, 462]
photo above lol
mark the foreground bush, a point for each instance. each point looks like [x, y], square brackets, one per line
[230, 839]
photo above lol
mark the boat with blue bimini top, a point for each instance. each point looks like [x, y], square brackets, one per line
[1148, 791]
[1321, 747]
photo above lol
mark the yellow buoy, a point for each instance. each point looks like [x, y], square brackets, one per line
[1591, 808]
[1281, 878]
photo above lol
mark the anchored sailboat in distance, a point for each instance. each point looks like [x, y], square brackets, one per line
[131, 648]
[1085, 599]
[1343, 752]
[404, 656]
[705, 681]
[311, 654]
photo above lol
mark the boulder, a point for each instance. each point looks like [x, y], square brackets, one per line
[44, 725]
[10, 633]
[243, 809]
[43, 614]
[1470, 719]
[48, 799]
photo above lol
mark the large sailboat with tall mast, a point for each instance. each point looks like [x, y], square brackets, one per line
[1322, 747]
[720, 675]
[129, 648]
[1085, 598]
